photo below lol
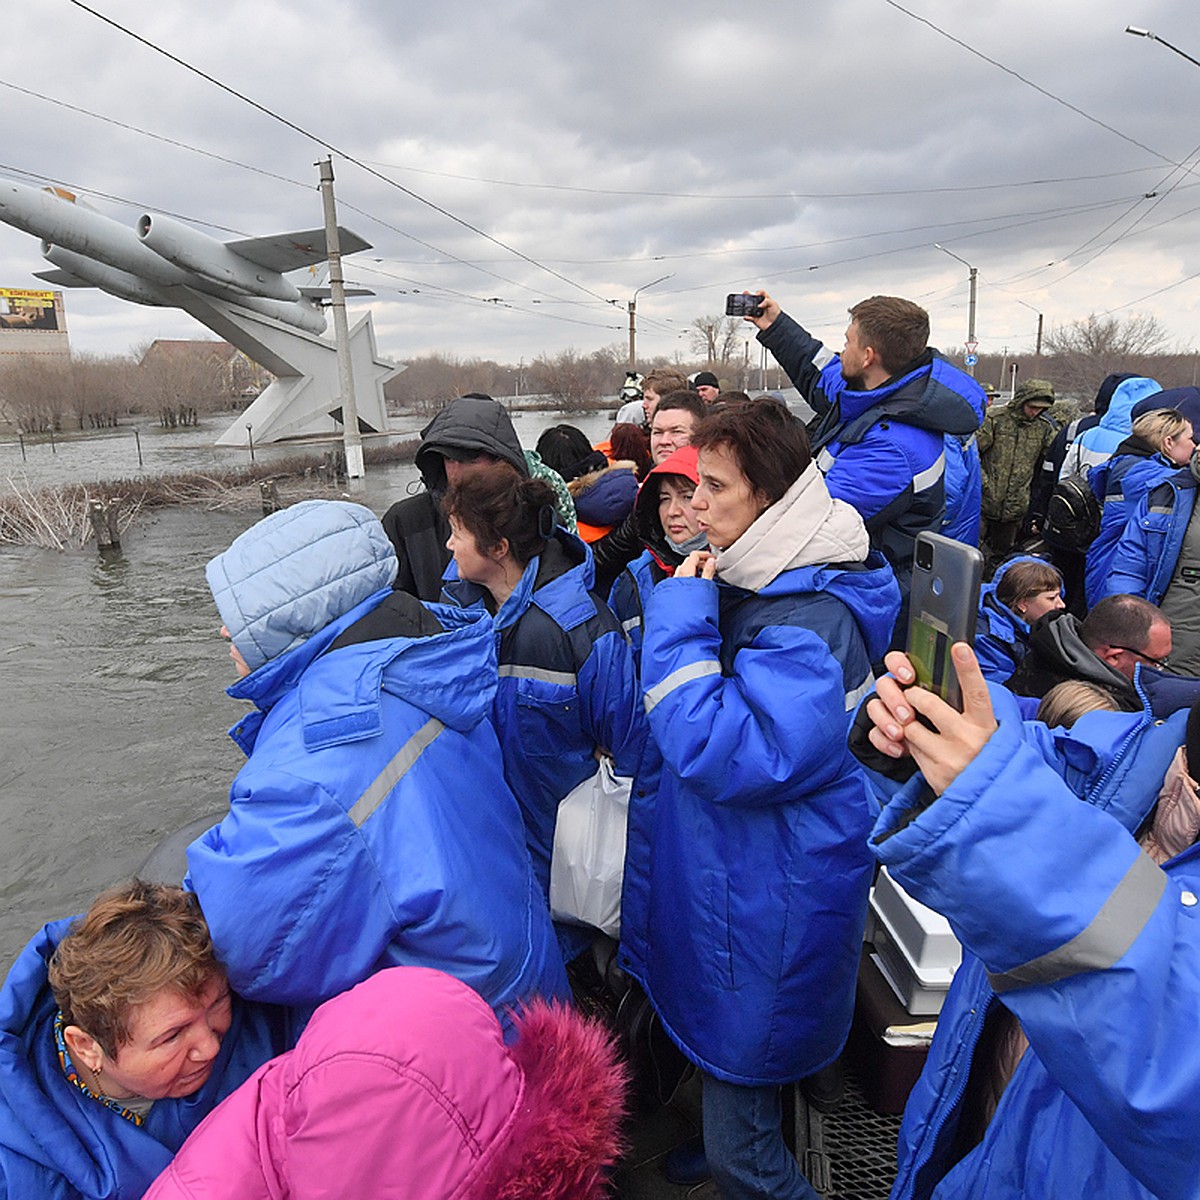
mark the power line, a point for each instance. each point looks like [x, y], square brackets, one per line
[445, 212]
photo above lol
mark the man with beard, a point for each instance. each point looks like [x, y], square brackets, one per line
[884, 407]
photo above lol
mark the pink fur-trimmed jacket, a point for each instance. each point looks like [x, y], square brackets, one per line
[403, 1087]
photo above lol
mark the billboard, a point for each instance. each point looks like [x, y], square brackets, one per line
[27, 311]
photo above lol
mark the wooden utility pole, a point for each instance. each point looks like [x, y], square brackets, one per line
[351, 437]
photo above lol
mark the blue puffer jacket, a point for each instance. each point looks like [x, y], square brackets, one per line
[883, 451]
[567, 686]
[354, 832]
[964, 489]
[746, 875]
[1100, 442]
[1119, 484]
[57, 1143]
[1103, 972]
[1001, 636]
[1148, 548]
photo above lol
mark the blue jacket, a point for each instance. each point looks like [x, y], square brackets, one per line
[629, 597]
[57, 1143]
[1001, 637]
[567, 685]
[355, 827]
[1148, 548]
[746, 874]
[1119, 484]
[1102, 971]
[1094, 445]
[882, 451]
[964, 489]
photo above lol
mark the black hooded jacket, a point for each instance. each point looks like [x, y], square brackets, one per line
[417, 526]
[1057, 653]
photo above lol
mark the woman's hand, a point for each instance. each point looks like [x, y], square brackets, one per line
[700, 564]
[944, 751]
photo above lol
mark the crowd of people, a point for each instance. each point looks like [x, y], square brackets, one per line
[363, 976]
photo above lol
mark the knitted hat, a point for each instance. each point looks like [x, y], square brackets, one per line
[706, 379]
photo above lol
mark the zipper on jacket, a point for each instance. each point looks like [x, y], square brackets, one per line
[933, 1136]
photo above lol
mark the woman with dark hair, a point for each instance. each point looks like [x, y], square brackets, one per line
[603, 492]
[746, 875]
[568, 690]
[1022, 590]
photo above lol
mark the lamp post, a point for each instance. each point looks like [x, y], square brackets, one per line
[1037, 354]
[972, 342]
[632, 307]
[1145, 33]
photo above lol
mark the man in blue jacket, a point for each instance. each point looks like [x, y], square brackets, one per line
[885, 406]
[371, 825]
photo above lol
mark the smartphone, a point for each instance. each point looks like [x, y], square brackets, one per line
[942, 608]
[743, 304]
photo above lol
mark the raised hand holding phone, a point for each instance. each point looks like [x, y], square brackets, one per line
[949, 741]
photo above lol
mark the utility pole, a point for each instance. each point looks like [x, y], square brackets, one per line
[351, 437]
[631, 306]
[973, 277]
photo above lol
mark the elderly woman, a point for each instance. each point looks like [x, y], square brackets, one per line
[746, 876]
[120, 1033]
[403, 1086]
[354, 835]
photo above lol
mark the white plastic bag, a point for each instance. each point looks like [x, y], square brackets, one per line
[588, 862]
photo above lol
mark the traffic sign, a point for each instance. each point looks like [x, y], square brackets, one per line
[971, 359]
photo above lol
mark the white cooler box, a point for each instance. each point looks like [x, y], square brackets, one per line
[915, 950]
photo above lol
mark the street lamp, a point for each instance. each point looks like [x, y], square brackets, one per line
[1162, 42]
[972, 342]
[632, 307]
[1037, 354]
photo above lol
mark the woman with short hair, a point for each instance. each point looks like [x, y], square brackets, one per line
[567, 685]
[119, 1035]
[1021, 591]
[746, 874]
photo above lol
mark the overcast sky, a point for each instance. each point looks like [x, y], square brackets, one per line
[817, 150]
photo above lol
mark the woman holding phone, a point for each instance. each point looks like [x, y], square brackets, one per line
[746, 874]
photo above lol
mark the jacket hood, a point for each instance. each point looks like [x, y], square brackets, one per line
[1104, 393]
[1119, 416]
[934, 395]
[474, 424]
[1056, 636]
[297, 570]
[450, 674]
[1000, 620]
[606, 496]
[683, 461]
[804, 528]
[407, 1077]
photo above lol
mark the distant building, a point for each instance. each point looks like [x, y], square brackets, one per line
[33, 323]
[239, 377]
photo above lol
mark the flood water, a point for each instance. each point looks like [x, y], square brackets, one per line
[112, 705]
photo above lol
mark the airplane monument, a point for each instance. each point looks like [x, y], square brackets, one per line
[239, 289]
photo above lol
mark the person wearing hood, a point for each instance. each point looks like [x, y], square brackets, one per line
[403, 1086]
[1120, 634]
[118, 1035]
[884, 407]
[1012, 445]
[372, 781]
[669, 529]
[470, 432]
[567, 684]
[1093, 446]
[1161, 442]
[1022, 590]
[747, 870]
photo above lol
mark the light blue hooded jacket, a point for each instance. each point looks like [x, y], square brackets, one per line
[371, 826]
